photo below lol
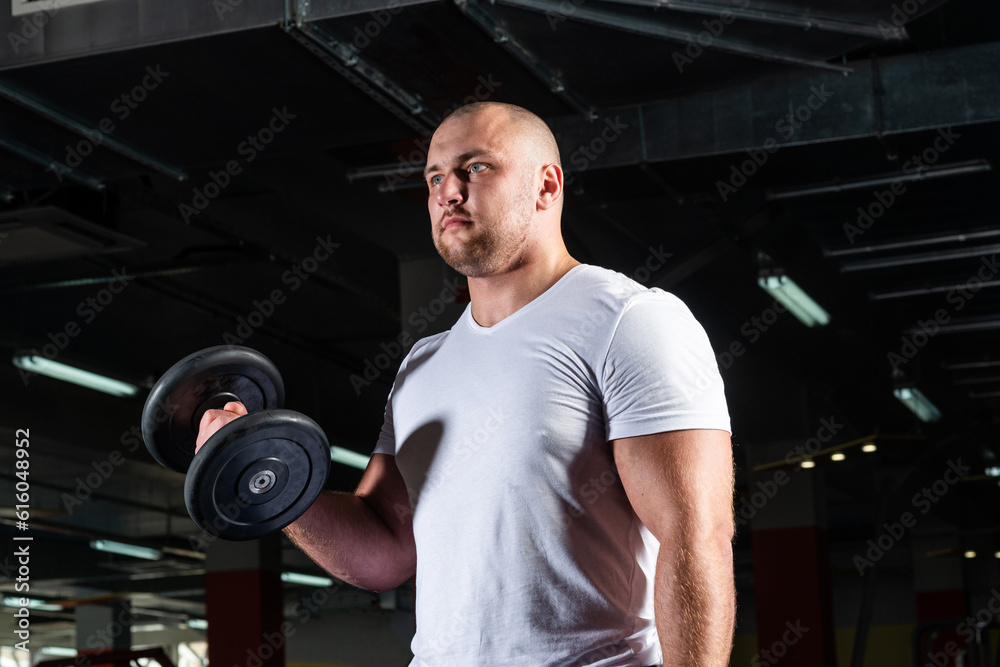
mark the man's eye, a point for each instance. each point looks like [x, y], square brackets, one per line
[436, 180]
[476, 167]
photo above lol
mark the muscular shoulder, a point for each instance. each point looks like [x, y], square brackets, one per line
[425, 347]
[618, 294]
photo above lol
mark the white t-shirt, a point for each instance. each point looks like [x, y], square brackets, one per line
[528, 551]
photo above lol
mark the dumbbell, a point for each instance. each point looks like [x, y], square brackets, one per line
[258, 473]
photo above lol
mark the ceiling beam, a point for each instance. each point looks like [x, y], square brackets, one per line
[909, 93]
[75, 31]
[665, 30]
[805, 20]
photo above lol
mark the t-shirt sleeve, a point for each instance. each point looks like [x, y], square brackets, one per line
[387, 437]
[660, 373]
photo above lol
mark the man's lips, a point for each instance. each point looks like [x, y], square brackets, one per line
[455, 221]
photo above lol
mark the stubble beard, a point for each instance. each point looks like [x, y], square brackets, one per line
[495, 245]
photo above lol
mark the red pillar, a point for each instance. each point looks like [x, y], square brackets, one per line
[940, 593]
[791, 569]
[244, 603]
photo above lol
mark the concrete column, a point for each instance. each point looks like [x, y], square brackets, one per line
[791, 563]
[103, 628]
[244, 603]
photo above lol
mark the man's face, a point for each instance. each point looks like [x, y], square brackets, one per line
[482, 193]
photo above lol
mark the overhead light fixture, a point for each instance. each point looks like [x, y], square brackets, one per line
[197, 624]
[837, 456]
[955, 169]
[808, 463]
[919, 404]
[393, 169]
[963, 236]
[125, 549]
[40, 605]
[349, 457]
[868, 447]
[150, 627]
[54, 369]
[59, 651]
[792, 297]
[920, 258]
[997, 554]
[993, 471]
[970, 554]
[306, 579]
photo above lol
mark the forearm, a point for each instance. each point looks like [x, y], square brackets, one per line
[695, 603]
[348, 538]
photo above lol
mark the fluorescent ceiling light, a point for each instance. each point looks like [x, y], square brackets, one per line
[305, 579]
[868, 447]
[838, 456]
[970, 554]
[993, 471]
[348, 457]
[150, 627]
[197, 624]
[955, 169]
[808, 463]
[914, 399]
[912, 242]
[125, 549]
[53, 369]
[59, 651]
[791, 296]
[40, 605]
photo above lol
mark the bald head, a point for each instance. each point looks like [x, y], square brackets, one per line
[529, 131]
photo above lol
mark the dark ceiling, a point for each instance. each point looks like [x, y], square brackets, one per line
[230, 141]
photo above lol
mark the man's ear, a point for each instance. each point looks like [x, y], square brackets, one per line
[551, 189]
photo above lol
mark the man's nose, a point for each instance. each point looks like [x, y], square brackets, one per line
[451, 191]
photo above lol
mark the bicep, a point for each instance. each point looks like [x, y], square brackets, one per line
[679, 482]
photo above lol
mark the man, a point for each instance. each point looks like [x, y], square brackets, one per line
[535, 457]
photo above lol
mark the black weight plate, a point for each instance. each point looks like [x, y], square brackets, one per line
[257, 474]
[206, 379]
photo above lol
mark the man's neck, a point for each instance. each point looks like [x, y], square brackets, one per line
[495, 298]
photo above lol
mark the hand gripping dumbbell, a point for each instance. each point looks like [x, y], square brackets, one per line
[259, 472]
